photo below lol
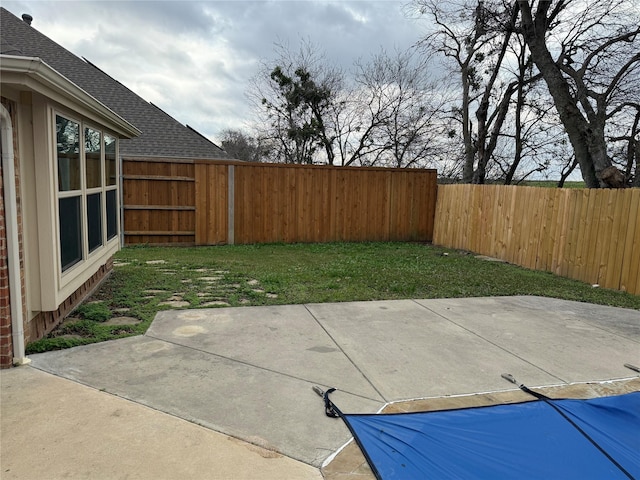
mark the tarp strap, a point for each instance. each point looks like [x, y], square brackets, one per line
[551, 403]
[334, 412]
[330, 409]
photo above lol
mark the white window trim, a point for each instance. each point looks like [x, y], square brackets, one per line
[68, 280]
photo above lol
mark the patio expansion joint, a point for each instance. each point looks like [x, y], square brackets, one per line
[252, 365]
[335, 342]
[506, 350]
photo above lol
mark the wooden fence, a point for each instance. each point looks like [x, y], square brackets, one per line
[187, 202]
[585, 234]
[158, 201]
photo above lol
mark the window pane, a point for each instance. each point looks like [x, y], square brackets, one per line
[68, 146]
[94, 220]
[70, 231]
[112, 214]
[110, 159]
[92, 150]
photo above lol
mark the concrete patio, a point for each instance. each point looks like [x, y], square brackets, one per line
[246, 375]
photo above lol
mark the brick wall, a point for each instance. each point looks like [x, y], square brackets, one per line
[43, 323]
[6, 346]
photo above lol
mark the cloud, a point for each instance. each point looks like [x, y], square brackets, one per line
[195, 59]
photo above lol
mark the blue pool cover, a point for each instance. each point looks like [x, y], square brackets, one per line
[541, 439]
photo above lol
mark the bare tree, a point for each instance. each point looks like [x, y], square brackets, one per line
[537, 141]
[386, 115]
[242, 146]
[476, 36]
[294, 97]
[625, 150]
[394, 116]
[588, 53]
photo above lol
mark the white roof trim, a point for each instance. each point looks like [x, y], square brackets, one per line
[18, 70]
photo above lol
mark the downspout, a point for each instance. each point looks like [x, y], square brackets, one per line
[13, 245]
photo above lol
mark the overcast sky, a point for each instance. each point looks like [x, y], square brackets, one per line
[194, 59]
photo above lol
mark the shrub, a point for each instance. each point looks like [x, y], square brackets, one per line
[96, 312]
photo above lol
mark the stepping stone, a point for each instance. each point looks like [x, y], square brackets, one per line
[217, 303]
[175, 303]
[122, 321]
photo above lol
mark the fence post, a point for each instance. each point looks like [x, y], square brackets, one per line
[230, 203]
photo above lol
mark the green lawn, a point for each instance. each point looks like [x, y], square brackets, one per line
[146, 277]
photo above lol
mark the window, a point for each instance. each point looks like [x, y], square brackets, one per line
[68, 138]
[92, 153]
[94, 221]
[69, 191]
[87, 190]
[111, 180]
[70, 231]
[112, 214]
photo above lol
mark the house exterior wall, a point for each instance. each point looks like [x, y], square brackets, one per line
[48, 294]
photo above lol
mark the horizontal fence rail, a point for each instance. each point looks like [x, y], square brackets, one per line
[196, 202]
[592, 235]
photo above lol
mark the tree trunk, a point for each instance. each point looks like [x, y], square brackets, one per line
[517, 156]
[565, 173]
[467, 134]
[587, 144]
[636, 179]
[574, 123]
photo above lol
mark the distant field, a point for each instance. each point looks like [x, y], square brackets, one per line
[528, 183]
[552, 184]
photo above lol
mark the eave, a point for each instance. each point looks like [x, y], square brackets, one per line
[33, 74]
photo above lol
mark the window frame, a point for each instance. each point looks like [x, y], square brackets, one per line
[84, 192]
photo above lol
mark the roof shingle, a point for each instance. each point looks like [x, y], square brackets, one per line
[162, 135]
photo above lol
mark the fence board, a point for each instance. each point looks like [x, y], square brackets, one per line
[616, 246]
[630, 277]
[589, 235]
